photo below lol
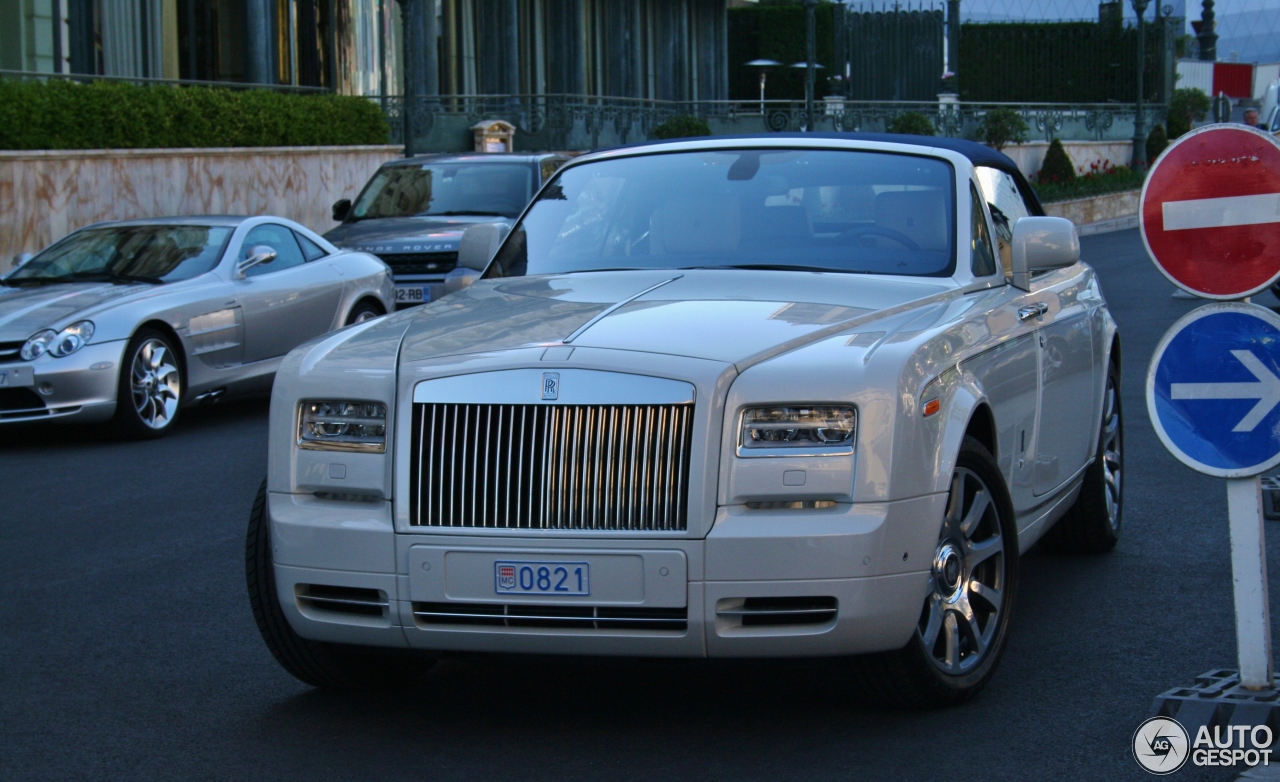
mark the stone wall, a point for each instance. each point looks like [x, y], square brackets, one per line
[1111, 208]
[1030, 156]
[45, 195]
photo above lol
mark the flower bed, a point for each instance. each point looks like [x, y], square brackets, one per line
[1101, 178]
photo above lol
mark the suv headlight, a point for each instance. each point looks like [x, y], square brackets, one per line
[343, 426]
[797, 430]
[58, 343]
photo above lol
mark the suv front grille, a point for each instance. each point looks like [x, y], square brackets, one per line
[572, 467]
[420, 263]
[557, 616]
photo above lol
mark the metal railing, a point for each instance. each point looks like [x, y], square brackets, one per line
[588, 122]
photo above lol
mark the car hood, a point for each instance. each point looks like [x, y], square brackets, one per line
[407, 234]
[26, 310]
[735, 316]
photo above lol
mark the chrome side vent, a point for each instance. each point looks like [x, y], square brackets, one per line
[578, 467]
[553, 616]
[342, 600]
[777, 611]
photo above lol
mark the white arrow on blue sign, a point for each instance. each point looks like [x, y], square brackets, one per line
[1213, 390]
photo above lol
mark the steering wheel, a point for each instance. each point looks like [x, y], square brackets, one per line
[876, 230]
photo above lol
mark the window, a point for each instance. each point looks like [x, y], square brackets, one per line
[310, 250]
[497, 189]
[983, 255]
[1007, 208]
[823, 210]
[278, 238]
[161, 253]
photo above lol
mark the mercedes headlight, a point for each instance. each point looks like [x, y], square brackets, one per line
[797, 429]
[343, 426]
[58, 343]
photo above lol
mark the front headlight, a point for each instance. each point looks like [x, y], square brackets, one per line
[343, 426]
[58, 343]
[797, 429]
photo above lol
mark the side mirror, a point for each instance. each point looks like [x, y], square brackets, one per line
[257, 254]
[341, 209]
[1041, 244]
[21, 258]
[479, 244]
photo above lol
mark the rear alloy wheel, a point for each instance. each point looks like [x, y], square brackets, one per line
[325, 665]
[149, 394]
[363, 311]
[965, 618]
[1092, 525]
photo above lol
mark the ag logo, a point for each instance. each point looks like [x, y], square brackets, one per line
[1160, 745]
[550, 385]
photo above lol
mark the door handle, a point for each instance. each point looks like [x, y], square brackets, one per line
[1033, 311]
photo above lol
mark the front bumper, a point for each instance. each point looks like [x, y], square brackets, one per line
[76, 388]
[867, 561]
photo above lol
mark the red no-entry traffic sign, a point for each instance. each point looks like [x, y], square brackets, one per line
[1210, 212]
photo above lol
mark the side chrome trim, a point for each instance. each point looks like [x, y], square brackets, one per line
[614, 308]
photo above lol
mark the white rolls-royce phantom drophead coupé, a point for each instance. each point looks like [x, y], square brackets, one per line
[786, 395]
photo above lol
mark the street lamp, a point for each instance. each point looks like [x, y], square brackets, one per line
[1139, 130]
[811, 55]
[764, 66]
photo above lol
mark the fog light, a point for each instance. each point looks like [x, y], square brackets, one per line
[45, 388]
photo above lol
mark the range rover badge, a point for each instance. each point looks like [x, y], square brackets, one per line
[550, 385]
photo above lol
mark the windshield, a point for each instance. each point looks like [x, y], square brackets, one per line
[822, 210]
[496, 189]
[148, 253]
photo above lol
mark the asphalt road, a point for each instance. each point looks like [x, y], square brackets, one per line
[127, 649]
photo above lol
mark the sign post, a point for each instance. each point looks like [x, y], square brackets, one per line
[1210, 220]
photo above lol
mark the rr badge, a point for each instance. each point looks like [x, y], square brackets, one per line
[550, 386]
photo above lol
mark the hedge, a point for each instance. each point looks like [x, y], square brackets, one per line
[57, 114]
[776, 31]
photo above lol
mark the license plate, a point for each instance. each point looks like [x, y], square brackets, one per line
[412, 294]
[542, 578]
[12, 377]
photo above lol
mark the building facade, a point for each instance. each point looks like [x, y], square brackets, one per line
[657, 49]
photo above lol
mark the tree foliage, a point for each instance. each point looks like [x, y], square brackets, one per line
[1001, 127]
[57, 114]
[682, 126]
[1157, 140]
[1188, 106]
[912, 123]
[1057, 165]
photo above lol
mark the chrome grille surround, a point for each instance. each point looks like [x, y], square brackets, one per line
[619, 467]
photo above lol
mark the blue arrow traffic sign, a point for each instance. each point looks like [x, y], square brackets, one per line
[1213, 389]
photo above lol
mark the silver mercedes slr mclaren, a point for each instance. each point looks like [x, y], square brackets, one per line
[738, 397]
[134, 320]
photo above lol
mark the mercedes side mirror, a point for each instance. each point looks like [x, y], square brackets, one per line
[341, 209]
[1042, 244]
[479, 244]
[21, 258]
[258, 254]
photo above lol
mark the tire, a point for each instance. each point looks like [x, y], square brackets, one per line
[927, 673]
[319, 664]
[364, 310]
[1093, 524]
[151, 386]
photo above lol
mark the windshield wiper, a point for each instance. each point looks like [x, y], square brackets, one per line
[775, 267]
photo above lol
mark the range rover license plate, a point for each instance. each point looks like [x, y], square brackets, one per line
[542, 578]
[413, 294]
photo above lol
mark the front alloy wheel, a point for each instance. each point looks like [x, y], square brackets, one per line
[971, 583]
[967, 580]
[150, 390]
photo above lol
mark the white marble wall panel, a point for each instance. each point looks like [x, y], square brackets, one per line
[45, 195]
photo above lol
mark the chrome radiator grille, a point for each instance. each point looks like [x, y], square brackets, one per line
[589, 467]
